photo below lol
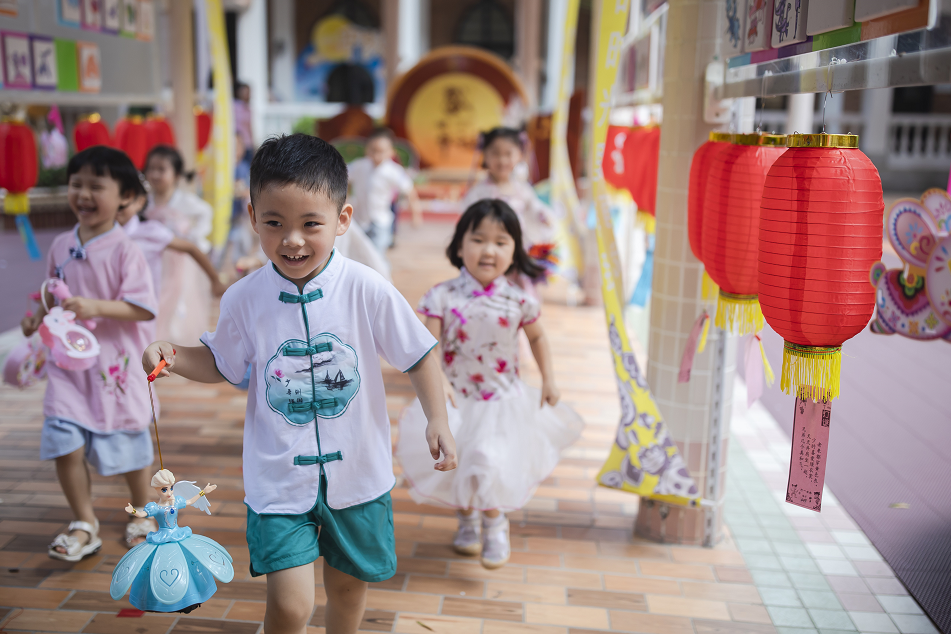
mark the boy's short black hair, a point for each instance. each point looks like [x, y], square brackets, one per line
[302, 160]
[381, 132]
[107, 161]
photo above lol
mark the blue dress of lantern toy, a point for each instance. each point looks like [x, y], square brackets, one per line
[173, 570]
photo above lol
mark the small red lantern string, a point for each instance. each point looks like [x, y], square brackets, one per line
[132, 138]
[158, 132]
[90, 131]
[202, 128]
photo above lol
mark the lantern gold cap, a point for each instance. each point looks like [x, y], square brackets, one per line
[720, 137]
[773, 140]
[823, 140]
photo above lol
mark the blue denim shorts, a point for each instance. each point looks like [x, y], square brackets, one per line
[109, 454]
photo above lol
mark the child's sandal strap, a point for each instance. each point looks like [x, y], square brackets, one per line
[84, 526]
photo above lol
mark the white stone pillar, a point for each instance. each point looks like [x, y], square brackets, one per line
[182, 67]
[283, 48]
[527, 40]
[876, 111]
[691, 410]
[413, 32]
[391, 36]
[557, 12]
[800, 113]
[252, 61]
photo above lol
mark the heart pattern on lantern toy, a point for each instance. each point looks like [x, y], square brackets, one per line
[915, 301]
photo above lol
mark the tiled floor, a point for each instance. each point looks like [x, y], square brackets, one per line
[575, 568]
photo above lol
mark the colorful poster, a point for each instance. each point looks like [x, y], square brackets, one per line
[810, 448]
[222, 140]
[44, 62]
[90, 67]
[67, 66]
[564, 197]
[146, 20]
[789, 22]
[17, 68]
[9, 8]
[130, 17]
[70, 12]
[644, 458]
[735, 23]
[111, 15]
[92, 15]
[759, 25]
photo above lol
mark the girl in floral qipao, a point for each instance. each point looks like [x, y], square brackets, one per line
[508, 435]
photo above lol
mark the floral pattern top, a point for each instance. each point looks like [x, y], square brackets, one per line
[479, 335]
[537, 219]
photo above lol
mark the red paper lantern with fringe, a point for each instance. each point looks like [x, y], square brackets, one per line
[91, 131]
[158, 132]
[699, 172]
[202, 128]
[820, 233]
[133, 139]
[18, 165]
[730, 226]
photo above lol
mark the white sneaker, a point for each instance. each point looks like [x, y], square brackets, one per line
[495, 541]
[468, 540]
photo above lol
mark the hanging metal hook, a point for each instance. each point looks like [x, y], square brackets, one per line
[829, 83]
[762, 101]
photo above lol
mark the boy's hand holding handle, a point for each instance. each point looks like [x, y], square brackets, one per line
[158, 359]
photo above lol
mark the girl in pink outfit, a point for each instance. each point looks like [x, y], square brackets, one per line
[99, 415]
[508, 435]
[502, 150]
[185, 292]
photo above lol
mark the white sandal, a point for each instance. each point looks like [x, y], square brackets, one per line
[74, 550]
[135, 529]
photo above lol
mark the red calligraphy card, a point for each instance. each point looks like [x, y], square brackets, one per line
[807, 461]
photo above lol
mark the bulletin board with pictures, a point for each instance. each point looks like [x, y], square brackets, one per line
[78, 51]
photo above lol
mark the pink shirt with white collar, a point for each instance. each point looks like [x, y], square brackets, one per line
[112, 396]
[480, 333]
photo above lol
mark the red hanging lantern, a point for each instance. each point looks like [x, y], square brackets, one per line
[18, 171]
[90, 131]
[133, 139]
[202, 128]
[730, 226]
[699, 172]
[159, 132]
[820, 233]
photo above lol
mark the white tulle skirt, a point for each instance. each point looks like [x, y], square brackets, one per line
[505, 449]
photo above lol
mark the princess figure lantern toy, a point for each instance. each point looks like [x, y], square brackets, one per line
[173, 570]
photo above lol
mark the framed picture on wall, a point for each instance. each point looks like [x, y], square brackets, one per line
[43, 49]
[130, 17]
[146, 20]
[789, 22]
[17, 67]
[90, 66]
[92, 15]
[70, 12]
[111, 15]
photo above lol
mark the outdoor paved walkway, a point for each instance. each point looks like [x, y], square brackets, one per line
[575, 567]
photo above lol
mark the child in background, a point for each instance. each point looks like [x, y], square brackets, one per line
[185, 293]
[509, 435]
[311, 326]
[502, 151]
[154, 238]
[377, 180]
[99, 415]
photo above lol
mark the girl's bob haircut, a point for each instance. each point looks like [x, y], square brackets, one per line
[497, 210]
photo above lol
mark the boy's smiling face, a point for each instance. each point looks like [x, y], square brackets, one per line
[297, 229]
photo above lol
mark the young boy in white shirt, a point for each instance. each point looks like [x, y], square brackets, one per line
[311, 326]
[376, 180]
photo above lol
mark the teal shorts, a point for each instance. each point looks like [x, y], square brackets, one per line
[358, 540]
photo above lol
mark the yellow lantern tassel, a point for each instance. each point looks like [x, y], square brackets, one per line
[811, 372]
[767, 368]
[16, 204]
[739, 314]
[708, 288]
[703, 333]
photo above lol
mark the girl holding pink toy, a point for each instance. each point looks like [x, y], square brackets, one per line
[98, 415]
